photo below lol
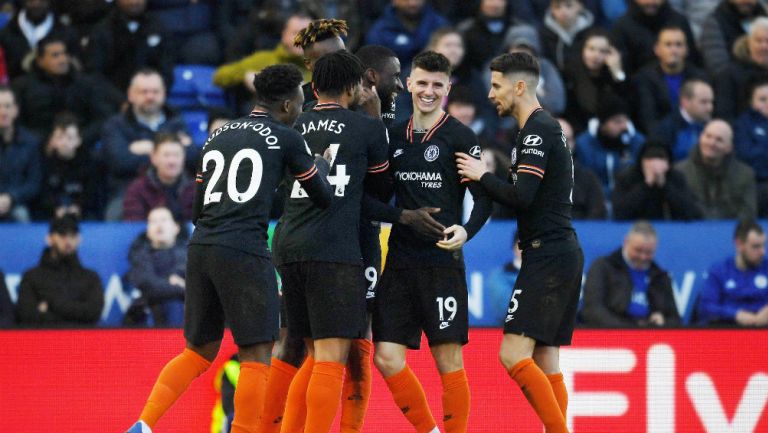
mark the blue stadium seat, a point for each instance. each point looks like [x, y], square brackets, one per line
[4, 19]
[193, 88]
[197, 125]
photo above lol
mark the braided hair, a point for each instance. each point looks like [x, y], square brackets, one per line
[320, 30]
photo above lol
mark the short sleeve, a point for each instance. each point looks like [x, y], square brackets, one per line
[378, 148]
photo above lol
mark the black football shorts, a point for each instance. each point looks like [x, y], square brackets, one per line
[431, 299]
[545, 298]
[324, 300]
[225, 285]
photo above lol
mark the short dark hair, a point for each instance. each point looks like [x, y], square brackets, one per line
[276, 83]
[431, 61]
[756, 82]
[219, 112]
[516, 62]
[4, 88]
[66, 224]
[375, 56]
[671, 28]
[320, 30]
[165, 137]
[336, 72]
[51, 38]
[745, 226]
[687, 89]
[64, 120]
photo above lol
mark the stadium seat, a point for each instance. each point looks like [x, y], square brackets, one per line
[4, 19]
[197, 125]
[193, 88]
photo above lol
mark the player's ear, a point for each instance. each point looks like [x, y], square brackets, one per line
[448, 88]
[408, 83]
[285, 107]
[370, 77]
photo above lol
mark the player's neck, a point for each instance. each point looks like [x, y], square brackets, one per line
[524, 110]
[426, 120]
[342, 100]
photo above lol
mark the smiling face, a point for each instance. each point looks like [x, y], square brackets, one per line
[428, 89]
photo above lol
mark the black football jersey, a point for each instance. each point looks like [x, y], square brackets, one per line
[540, 186]
[358, 148]
[424, 169]
[241, 165]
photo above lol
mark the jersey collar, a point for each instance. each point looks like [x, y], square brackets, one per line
[328, 106]
[258, 113]
[430, 132]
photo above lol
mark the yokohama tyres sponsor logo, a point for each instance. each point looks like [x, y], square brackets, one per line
[418, 176]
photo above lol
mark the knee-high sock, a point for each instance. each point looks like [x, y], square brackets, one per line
[357, 387]
[538, 391]
[280, 376]
[410, 398]
[323, 396]
[455, 401]
[249, 397]
[295, 414]
[561, 394]
[173, 380]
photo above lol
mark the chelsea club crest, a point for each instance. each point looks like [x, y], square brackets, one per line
[431, 153]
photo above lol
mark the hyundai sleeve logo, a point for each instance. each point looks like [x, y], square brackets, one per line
[475, 151]
[532, 140]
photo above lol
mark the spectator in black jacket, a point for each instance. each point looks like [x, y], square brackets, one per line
[158, 261]
[484, 33]
[59, 291]
[681, 128]
[657, 85]
[565, 25]
[627, 288]
[34, 21]
[7, 309]
[19, 162]
[127, 137]
[652, 190]
[53, 86]
[126, 41]
[588, 197]
[727, 23]
[635, 32]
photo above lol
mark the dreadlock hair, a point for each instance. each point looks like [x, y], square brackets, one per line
[276, 83]
[320, 30]
[431, 61]
[375, 56]
[337, 72]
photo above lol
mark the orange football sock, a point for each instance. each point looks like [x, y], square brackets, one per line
[561, 394]
[173, 380]
[296, 405]
[280, 376]
[357, 387]
[455, 401]
[536, 388]
[323, 396]
[249, 397]
[410, 398]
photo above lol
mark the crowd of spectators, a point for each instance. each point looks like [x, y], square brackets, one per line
[663, 103]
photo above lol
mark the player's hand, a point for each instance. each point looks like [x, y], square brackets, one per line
[370, 102]
[613, 61]
[455, 238]
[656, 319]
[422, 222]
[745, 318]
[470, 167]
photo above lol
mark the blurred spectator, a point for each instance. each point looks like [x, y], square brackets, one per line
[3, 69]
[20, 173]
[551, 89]
[250, 25]
[33, 21]
[681, 128]
[611, 143]
[128, 40]
[653, 190]
[750, 62]
[189, 25]
[347, 10]
[635, 32]
[82, 15]
[613, 10]
[565, 26]
[127, 137]
[67, 173]
[462, 106]
[657, 85]
[218, 117]
[627, 288]
[405, 28]
[164, 184]
[7, 314]
[594, 75]
[735, 289]
[751, 140]
[499, 286]
[696, 11]
[724, 26]
[588, 197]
[724, 186]
[59, 291]
[238, 75]
[53, 85]
[484, 33]
[158, 262]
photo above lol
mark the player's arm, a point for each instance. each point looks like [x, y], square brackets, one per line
[483, 205]
[310, 172]
[378, 180]
[420, 220]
